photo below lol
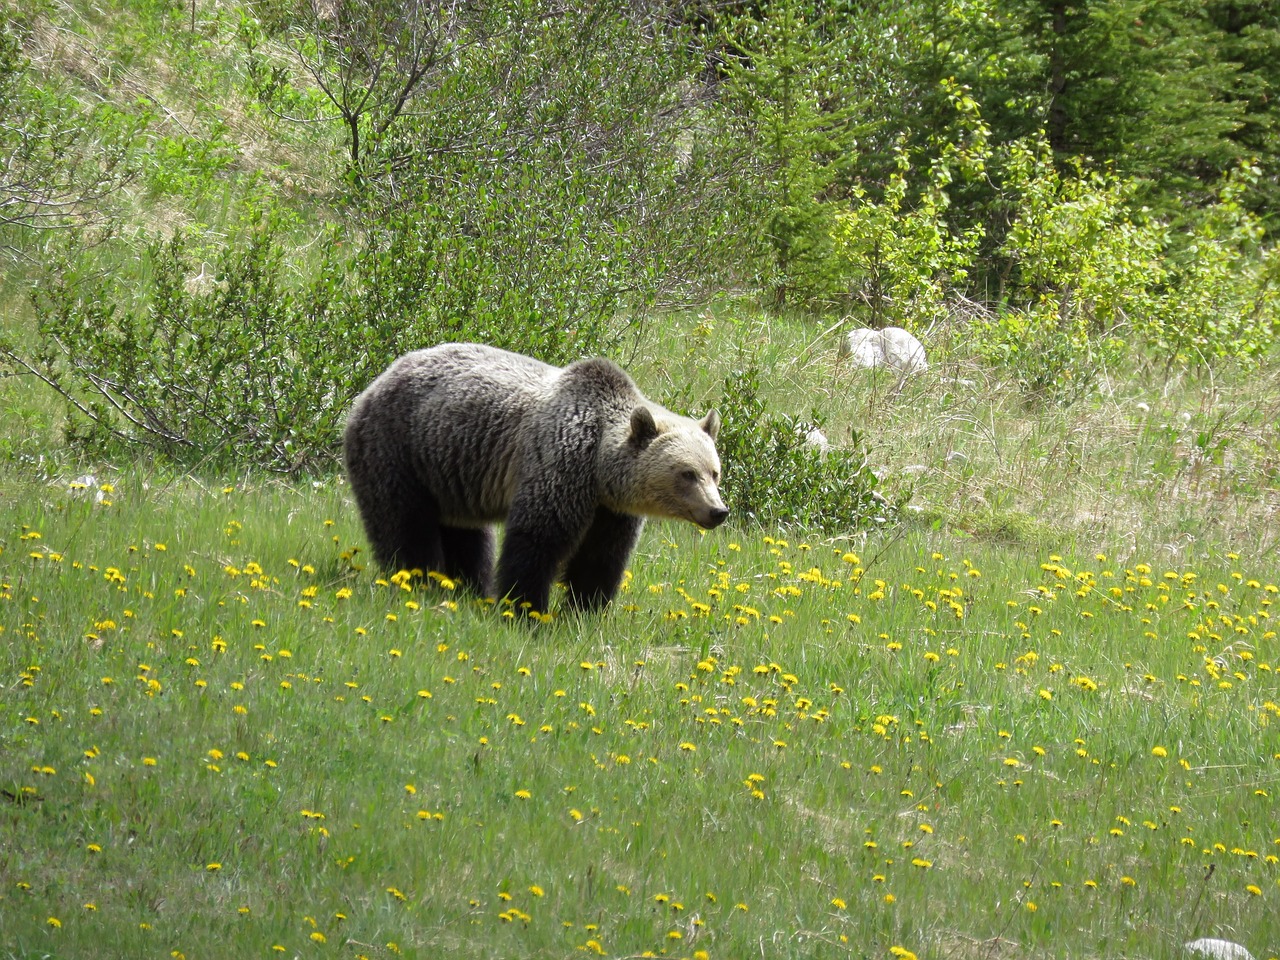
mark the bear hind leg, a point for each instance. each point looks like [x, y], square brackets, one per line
[467, 556]
[595, 571]
[403, 531]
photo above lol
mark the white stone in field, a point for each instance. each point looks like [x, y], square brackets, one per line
[817, 439]
[1213, 949]
[891, 347]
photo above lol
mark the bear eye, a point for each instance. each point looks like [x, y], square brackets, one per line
[689, 475]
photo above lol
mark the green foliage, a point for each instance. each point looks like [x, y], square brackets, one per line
[900, 265]
[60, 163]
[471, 269]
[243, 361]
[1143, 85]
[787, 81]
[1249, 38]
[582, 166]
[1079, 270]
[236, 365]
[369, 57]
[774, 475]
[1223, 296]
[188, 166]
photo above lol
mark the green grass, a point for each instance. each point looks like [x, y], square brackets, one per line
[800, 748]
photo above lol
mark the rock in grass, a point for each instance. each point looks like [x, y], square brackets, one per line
[816, 439]
[891, 347]
[1213, 949]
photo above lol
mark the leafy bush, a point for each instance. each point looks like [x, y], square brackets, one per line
[1223, 296]
[1079, 270]
[773, 475]
[899, 265]
[61, 164]
[244, 368]
[247, 364]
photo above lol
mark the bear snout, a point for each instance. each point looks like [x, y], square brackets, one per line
[715, 517]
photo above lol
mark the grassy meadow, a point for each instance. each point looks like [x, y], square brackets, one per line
[1035, 717]
[1035, 714]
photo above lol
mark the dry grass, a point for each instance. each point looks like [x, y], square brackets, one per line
[1180, 464]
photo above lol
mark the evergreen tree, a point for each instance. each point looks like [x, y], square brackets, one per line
[1139, 85]
[787, 83]
[1250, 37]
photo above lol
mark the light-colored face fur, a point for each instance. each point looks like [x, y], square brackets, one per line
[676, 473]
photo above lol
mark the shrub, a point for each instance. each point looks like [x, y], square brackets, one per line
[243, 369]
[773, 475]
[1080, 269]
[900, 265]
[1223, 296]
[248, 364]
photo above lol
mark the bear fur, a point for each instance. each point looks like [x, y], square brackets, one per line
[450, 440]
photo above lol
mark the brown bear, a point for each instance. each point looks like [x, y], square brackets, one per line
[450, 440]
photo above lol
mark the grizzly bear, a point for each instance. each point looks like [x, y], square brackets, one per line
[450, 440]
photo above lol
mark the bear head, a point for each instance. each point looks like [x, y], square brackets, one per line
[674, 468]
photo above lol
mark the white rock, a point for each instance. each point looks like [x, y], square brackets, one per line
[891, 347]
[1218, 949]
[816, 438]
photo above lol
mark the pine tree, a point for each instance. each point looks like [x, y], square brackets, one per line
[787, 82]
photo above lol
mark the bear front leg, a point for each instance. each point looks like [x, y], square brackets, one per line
[533, 550]
[554, 505]
[595, 572]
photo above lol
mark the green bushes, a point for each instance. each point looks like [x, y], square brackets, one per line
[1223, 289]
[773, 475]
[1078, 270]
[244, 361]
[222, 366]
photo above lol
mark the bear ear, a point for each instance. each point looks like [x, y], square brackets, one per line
[643, 428]
[711, 424]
